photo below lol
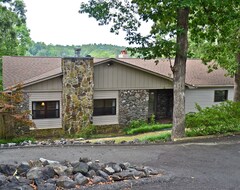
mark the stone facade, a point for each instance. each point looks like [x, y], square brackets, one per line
[77, 93]
[133, 105]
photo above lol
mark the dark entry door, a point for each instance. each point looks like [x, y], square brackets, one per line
[161, 103]
[164, 104]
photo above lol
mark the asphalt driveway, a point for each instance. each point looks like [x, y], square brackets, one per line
[202, 164]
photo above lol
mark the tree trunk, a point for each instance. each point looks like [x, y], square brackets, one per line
[237, 82]
[179, 71]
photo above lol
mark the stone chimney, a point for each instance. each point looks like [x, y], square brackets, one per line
[77, 93]
[123, 54]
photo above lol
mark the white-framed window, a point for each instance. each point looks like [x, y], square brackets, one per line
[104, 107]
[45, 109]
[220, 95]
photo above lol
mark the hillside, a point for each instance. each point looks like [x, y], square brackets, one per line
[95, 50]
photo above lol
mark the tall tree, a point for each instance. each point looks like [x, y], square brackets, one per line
[14, 35]
[167, 37]
[216, 29]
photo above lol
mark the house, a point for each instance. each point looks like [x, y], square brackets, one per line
[72, 92]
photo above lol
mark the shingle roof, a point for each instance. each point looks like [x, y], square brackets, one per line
[27, 70]
[17, 69]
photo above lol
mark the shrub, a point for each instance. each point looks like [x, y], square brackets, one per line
[218, 119]
[148, 128]
[88, 131]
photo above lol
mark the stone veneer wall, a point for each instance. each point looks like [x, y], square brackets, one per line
[77, 93]
[133, 105]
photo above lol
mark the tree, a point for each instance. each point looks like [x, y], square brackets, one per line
[216, 36]
[16, 119]
[14, 38]
[168, 37]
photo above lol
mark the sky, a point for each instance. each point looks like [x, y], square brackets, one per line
[58, 22]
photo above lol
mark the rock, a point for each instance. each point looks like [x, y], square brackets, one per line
[35, 163]
[116, 168]
[151, 171]
[102, 174]
[35, 173]
[48, 172]
[58, 168]
[69, 170]
[3, 179]
[7, 169]
[84, 159]
[23, 168]
[47, 186]
[94, 166]
[80, 167]
[98, 179]
[125, 165]
[48, 162]
[91, 173]
[66, 182]
[11, 144]
[126, 174]
[81, 179]
[109, 170]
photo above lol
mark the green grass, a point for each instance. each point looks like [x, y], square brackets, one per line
[165, 136]
[16, 140]
[148, 128]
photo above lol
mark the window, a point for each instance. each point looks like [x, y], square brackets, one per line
[104, 107]
[45, 109]
[220, 95]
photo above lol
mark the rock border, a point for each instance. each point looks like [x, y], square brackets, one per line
[86, 174]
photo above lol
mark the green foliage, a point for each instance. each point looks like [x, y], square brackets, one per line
[95, 50]
[162, 137]
[87, 132]
[215, 36]
[148, 128]
[130, 15]
[17, 140]
[218, 119]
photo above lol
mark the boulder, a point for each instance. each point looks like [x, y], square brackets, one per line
[102, 174]
[81, 179]
[98, 179]
[7, 169]
[23, 168]
[47, 186]
[35, 173]
[80, 167]
[65, 182]
[3, 179]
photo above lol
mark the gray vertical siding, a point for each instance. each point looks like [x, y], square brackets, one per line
[203, 96]
[121, 77]
[54, 84]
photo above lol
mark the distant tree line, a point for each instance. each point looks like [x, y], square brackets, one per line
[95, 50]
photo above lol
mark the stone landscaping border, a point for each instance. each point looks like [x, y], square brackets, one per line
[85, 174]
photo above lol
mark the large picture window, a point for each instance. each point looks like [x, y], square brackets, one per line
[104, 107]
[45, 109]
[220, 95]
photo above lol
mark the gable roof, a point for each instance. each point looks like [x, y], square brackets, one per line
[30, 70]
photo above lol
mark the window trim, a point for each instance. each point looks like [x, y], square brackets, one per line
[46, 101]
[104, 99]
[220, 98]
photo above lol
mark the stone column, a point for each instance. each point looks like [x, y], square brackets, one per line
[77, 93]
[133, 105]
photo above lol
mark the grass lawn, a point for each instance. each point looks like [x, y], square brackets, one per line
[131, 138]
